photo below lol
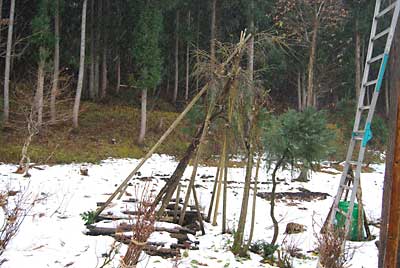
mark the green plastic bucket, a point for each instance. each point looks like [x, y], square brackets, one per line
[340, 220]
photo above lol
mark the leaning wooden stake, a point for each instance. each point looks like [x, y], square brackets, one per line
[199, 216]
[221, 174]
[210, 209]
[253, 211]
[225, 184]
[231, 101]
[152, 150]
[178, 191]
[197, 159]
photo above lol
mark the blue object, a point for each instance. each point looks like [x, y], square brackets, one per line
[382, 72]
[367, 135]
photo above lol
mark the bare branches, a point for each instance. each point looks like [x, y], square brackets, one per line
[15, 206]
[142, 227]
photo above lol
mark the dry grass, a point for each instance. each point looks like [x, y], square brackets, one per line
[331, 251]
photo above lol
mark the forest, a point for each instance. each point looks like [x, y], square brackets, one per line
[235, 120]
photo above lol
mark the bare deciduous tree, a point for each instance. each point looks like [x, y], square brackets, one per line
[7, 71]
[75, 113]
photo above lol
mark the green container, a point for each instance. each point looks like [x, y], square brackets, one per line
[340, 220]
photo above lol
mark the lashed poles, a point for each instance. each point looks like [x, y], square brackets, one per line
[243, 40]
[167, 191]
[121, 187]
[197, 159]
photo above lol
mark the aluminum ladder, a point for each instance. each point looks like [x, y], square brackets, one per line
[365, 111]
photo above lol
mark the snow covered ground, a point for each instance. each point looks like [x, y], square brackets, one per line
[53, 233]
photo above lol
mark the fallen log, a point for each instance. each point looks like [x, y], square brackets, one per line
[158, 249]
[301, 196]
[94, 230]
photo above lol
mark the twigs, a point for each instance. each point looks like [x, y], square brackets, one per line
[142, 227]
[330, 247]
[15, 207]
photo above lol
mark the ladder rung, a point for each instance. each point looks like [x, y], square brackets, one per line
[379, 35]
[367, 107]
[386, 10]
[342, 212]
[354, 163]
[374, 59]
[370, 83]
[346, 187]
[358, 135]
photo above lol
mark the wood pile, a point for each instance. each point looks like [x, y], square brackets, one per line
[118, 224]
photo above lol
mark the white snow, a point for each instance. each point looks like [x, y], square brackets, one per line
[53, 234]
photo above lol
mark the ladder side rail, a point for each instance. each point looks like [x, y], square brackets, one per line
[367, 66]
[395, 19]
[339, 194]
[358, 112]
[371, 112]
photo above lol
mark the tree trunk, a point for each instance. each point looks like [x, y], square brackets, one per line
[239, 235]
[118, 75]
[253, 209]
[39, 90]
[175, 96]
[197, 50]
[299, 99]
[7, 70]
[1, 16]
[143, 117]
[272, 211]
[187, 63]
[393, 221]
[97, 49]
[81, 68]
[311, 63]
[304, 89]
[56, 74]
[250, 65]
[92, 92]
[104, 81]
[357, 59]
[213, 30]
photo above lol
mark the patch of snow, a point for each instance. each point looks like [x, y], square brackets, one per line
[53, 233]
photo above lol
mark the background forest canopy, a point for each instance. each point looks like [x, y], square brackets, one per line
[125, 67]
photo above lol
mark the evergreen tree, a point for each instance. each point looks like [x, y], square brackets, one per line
[294, 137]
[147, 56]
[43, 39]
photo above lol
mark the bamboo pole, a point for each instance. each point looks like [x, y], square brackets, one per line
[225, 189]
[221, 174]
[121, 187]
[213, 193]
[196, 202]
[253, 211]
[197, 159]
[177, 202]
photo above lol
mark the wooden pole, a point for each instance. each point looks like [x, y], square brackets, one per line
[392, 242]
[152, 150]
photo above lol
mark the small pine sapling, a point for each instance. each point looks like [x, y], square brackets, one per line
[292, 137]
